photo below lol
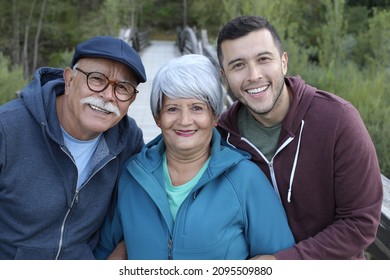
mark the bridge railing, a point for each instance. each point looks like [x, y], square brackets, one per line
[189, 41]
[137, 39]
[380, 249]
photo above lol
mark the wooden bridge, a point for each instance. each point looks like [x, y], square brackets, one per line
[153, 57]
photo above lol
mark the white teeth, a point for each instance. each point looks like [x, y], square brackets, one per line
[98, 109]
[257, 90]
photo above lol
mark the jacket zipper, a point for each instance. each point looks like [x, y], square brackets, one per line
[270, 163]
[170, 244]
[170, 240]
[74, 200]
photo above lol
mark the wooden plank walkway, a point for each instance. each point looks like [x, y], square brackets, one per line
[153, 57]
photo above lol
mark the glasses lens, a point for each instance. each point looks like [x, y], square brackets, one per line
[124, 91]
[97, 81]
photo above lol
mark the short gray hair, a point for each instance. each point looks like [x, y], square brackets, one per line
[188, 76]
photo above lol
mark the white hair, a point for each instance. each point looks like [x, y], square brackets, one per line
[188, 76]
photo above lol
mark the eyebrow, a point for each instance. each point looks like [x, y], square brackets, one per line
[242, 59]
[234, 61]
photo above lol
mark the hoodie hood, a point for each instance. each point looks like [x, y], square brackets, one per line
[301, 100]
[39, 97]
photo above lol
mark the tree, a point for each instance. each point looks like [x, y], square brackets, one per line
[331, 41]
[37, 35]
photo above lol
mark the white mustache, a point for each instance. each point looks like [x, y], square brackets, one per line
[98, 102]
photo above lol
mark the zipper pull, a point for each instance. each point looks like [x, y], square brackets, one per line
[170, 244]
[76, 197]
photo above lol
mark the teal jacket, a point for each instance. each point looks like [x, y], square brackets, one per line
[232, 213]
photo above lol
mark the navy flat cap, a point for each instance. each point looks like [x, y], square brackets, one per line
[111, 48]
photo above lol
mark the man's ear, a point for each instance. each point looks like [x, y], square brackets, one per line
[284, 63]
[68, 77]
[222, 73]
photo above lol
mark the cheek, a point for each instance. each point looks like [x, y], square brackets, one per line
[123, 109]
[165, 121]
[208, 121]
[234, 81]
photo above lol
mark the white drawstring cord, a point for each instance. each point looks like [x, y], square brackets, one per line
[295, 163]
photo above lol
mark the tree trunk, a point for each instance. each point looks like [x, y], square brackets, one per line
[25, 57]
[15, 33]
[36, 42]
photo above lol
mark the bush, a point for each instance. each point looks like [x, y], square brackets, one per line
[367, 92]
[11, 81]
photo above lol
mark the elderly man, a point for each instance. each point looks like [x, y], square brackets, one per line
[62, 145]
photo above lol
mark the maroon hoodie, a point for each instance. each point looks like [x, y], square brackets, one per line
[326, 172]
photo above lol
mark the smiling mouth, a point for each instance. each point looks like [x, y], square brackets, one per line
[257, 90]
[98, 109]
[185, 132]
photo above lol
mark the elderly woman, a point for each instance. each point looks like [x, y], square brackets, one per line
[187, 195]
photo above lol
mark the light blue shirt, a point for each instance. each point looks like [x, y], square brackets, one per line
[82, 152]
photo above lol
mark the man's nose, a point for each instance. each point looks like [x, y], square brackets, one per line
[109, 93]
[255, 72]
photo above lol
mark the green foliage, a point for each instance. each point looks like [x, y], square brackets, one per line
[11, 82]
[379, 41]
[61, 59]
[368, 92]
[333, 34]
[161, 15]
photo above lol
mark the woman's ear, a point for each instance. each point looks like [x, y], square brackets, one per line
[216, 121]
[157, 121]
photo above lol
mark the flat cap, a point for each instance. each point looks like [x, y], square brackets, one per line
[111, 48]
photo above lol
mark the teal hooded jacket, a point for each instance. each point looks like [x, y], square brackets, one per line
[231, 213]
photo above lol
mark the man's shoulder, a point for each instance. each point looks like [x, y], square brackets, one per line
[13, 109]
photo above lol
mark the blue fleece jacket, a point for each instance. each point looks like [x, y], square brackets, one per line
[42, 216]
[232, 213]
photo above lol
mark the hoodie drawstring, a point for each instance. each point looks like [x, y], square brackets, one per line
[282, 147]
[295, 163]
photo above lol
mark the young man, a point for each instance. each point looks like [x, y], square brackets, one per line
[62, 145]
[312, 145]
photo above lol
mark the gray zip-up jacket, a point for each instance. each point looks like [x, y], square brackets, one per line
[42, 216]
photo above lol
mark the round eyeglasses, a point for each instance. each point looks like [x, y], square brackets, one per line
[97, 82]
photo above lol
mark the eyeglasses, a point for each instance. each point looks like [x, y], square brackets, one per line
[97, 82]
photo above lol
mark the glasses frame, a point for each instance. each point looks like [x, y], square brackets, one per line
[109, 82]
